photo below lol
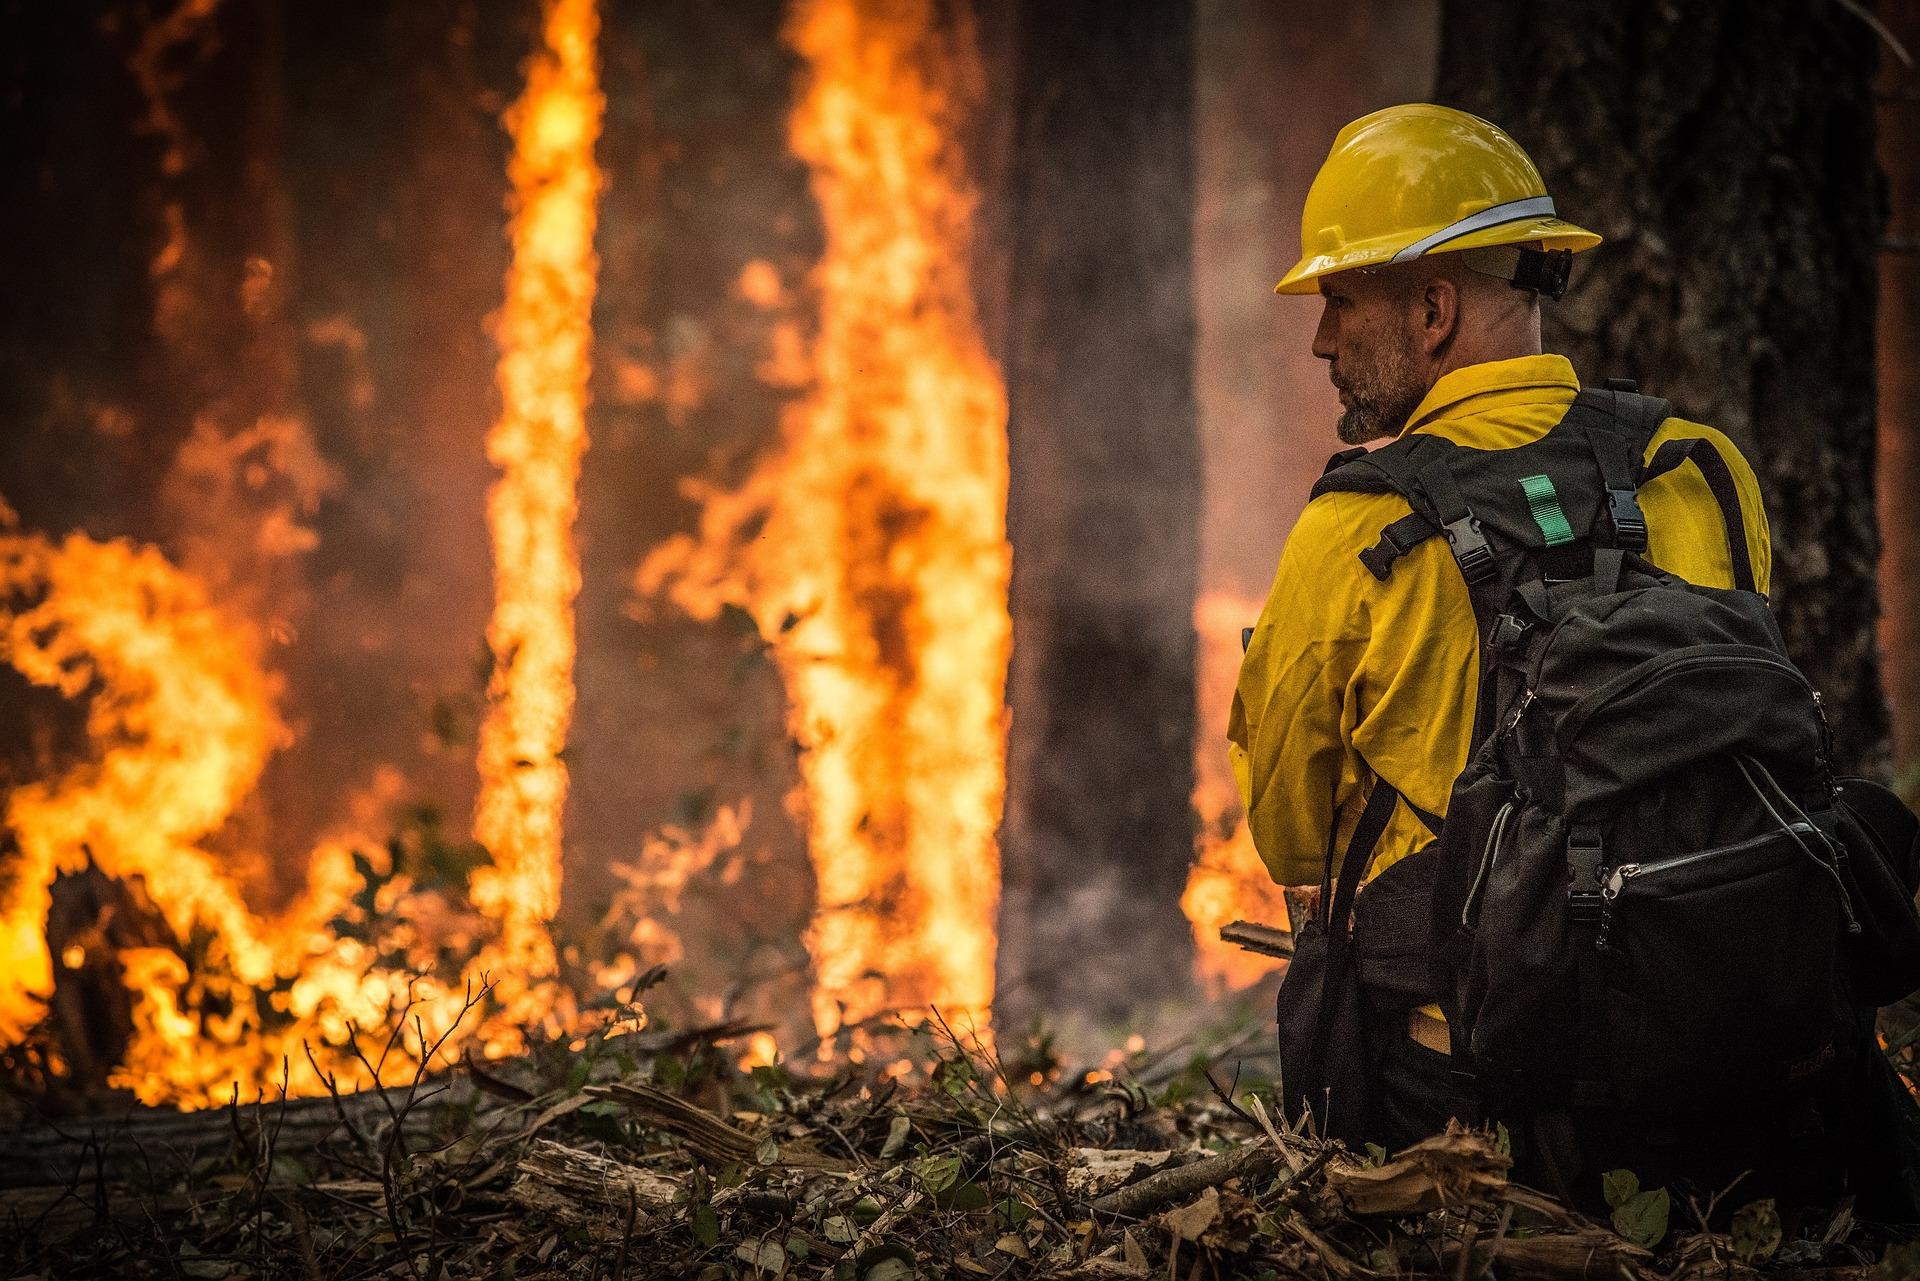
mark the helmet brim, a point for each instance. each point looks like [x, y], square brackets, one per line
[1549, 233]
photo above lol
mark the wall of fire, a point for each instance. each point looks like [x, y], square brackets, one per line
[252, 259]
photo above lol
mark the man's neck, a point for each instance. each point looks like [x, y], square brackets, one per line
[1474, 349]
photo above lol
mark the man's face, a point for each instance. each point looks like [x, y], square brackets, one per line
[1368, 338]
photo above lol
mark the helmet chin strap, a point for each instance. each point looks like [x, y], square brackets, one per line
[1538, 271]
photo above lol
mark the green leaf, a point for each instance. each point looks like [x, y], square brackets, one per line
[1617, 1185]
[954, 1076]
[1011, 1212]
[1756, 1231]
[1642, 1217]
[937, 1173]
[706, 1226]
[839, 1229]
[1376, 1155]
[964, 1197]
[1502, 1141]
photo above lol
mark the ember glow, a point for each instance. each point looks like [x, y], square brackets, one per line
[1227, 882]
[545, 336]
[872, 545]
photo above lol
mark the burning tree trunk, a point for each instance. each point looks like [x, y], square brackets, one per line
[1900, 385]
[1726, 152]
[1103, 512]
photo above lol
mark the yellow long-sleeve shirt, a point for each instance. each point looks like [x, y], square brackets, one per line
[1347, 678]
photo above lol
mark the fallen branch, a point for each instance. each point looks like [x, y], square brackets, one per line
[1265, 940]
[606, 1197]
[1250, 1161]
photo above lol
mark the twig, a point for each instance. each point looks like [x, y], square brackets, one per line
[1250, 1160]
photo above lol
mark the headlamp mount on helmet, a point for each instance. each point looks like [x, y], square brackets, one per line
[1539, 271]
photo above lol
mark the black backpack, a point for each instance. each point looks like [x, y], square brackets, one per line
[1659, 925]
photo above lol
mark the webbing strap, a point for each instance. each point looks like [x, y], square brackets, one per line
[1336, 899]
[1336, 906]
[1464, 535]
[1396, 540]
[1428, 820]
[1585, 911]
[1719, 477]
[1618, 437]
[1544, 503]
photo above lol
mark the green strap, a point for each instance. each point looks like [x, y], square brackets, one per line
[1545, 506]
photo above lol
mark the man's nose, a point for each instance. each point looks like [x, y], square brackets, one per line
[1326, 343]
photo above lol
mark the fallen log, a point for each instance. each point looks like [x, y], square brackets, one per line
[152, 1145]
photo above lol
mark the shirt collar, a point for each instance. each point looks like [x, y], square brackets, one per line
[1548, 372]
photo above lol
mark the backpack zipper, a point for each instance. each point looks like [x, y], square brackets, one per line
[1580, 713]
[1617, 880]
[1496, 833]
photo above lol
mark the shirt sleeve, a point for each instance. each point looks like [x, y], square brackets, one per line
[1286, 732]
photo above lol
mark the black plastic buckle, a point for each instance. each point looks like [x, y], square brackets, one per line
[1544, 271]
[1508, 631]
[1629, 522]
[1585, 858]
[1470, 549]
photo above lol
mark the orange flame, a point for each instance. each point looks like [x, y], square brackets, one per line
[188, 720]
[873, 544]
[545, 335]
[182, 720]
[181, 717]
[1227, 882]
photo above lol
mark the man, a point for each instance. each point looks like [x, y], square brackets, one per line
[1427, 235]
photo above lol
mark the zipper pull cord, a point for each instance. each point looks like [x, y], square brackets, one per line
[1839, 886]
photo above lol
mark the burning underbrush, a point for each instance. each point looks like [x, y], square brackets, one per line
[653, 1152]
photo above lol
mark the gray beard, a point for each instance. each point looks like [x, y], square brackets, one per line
[1375, 412]
[1363, 424]
[1358, 426]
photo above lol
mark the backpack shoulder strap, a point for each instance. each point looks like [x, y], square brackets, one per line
[1415, 468]
[1618, 425]
[1726, 494]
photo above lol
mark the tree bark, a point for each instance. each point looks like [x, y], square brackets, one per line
[1899, 344]
[1726, 152]
[1102, 512]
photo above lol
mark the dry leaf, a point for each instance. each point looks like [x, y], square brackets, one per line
[1447, 1169]
[1194, 1218]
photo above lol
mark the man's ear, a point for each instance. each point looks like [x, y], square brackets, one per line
[1437, 314]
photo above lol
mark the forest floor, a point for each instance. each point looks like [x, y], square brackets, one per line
[654, 1155]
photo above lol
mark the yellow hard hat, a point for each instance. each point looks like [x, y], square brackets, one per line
[1420, 179]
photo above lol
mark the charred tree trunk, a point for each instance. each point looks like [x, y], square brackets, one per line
[1103, 512]
[1899, 345]
[1726, 152]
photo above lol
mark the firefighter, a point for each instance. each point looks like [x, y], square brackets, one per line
[1431, 240]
